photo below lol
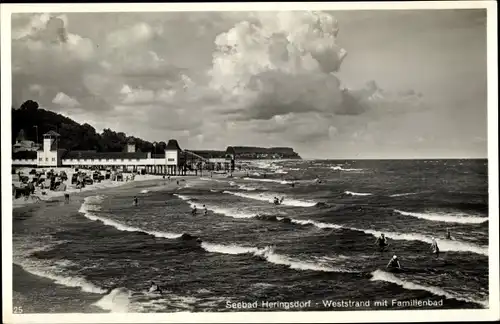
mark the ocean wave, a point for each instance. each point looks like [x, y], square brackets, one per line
[352, 193]
[269, 255]
[379, 275]
[89, 206]
[219, 210]
[241, 214]
[444, 245]
[317, 224]
[68, 281]
[269, 180]
[404, 194]
[270, 198]
[144, 191]
[340, 168]
[446, 217]
[117, 301]
[247, 188]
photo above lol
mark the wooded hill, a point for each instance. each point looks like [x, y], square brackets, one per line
[73, 135]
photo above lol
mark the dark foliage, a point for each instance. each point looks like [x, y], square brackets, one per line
[29, 118]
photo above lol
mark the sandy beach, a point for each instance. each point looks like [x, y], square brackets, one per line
[70, 188]
[61, 295]
[29, 284]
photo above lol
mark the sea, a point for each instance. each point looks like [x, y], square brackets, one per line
[314, 252]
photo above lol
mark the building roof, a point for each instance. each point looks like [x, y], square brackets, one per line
[51, 133]
[209, 154]
[30, 155]
[105, 155]
[158, 155]
[172, 145]
[130, 141]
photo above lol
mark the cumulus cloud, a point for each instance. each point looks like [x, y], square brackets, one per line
[280, 63]
[272, 78]
[64, 100]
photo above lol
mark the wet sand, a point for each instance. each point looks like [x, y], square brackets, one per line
[37, 294]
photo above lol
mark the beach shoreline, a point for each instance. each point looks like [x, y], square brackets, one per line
[60, 298]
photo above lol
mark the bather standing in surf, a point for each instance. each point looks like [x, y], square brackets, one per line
[435, 248]
[382, 242]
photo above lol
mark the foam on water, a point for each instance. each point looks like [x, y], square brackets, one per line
[219, 210]
[269, 255]
[117, 301]
[89, 206]
[444, 245]
[247, 188]
[457, 217]
[317, 224]
[404, 194]
[144, 191]
[379, 275]
[340, 168]
[352, 193]
[269, 180]
[270, 199]
[56, 274]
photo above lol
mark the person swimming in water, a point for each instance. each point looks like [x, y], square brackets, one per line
[194, 211]
[448, 234]
[394, 263]
[435, 248]
[382, 242]
[205, 210]
[136, 201]
[276, 201]
[154, 288]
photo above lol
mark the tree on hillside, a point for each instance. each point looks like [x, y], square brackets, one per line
[29, 105]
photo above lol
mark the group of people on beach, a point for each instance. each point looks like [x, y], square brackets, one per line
[382, 244]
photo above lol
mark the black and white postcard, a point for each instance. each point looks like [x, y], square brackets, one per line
[239, 162]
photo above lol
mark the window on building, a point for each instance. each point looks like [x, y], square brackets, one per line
[53, 159]
[46, 159]
[40, 159]
[170, 160]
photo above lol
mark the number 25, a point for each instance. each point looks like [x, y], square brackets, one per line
[18, 310]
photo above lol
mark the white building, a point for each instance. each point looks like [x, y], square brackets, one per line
[174, 161]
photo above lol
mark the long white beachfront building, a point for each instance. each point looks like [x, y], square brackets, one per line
[171, 162]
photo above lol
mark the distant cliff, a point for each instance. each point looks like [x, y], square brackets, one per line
[253, 152]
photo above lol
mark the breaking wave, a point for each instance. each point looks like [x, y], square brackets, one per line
[379, 275]
[68, 281]
[444, 245]
[340, 168]
[352, 193]
[90, 204]
[219, 210]
[269, 255]
[446, 217]
[404, 194]
[270, 198]
[269, 180]
[117, 301]
[247, 188]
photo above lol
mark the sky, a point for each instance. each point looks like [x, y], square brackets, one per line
[332, 84]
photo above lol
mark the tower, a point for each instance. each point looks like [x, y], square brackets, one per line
[50, 140]
[130, 146]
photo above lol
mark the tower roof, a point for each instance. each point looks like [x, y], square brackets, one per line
[173, 145]
[51, 133]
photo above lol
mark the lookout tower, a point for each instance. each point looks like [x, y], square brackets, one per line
[48, 155]
[131, 146]
[172, 152]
